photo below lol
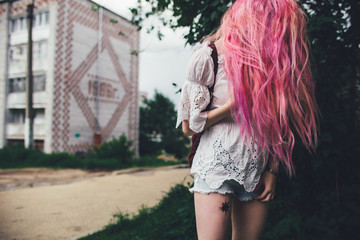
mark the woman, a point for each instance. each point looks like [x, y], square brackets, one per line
[263, 96]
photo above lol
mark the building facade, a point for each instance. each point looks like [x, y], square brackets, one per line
[85, 69]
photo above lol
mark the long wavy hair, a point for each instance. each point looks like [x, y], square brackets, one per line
[266, 53]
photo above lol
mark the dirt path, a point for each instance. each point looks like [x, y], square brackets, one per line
[77, 203]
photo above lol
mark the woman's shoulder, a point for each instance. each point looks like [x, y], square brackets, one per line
[200, 66]
[202, 48]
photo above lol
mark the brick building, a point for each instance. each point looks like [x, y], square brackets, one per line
[85, 69]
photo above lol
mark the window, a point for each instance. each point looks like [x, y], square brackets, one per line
[17, 116]
[39, 19]
[46, 15]
[25, 23]
[11, 54]
[40, 49]
[20, 24]
[43, 49]
[13, 25]
[19, 52]
[36, 50]
[19, 84]
[22, 50]
[39, 116]
[34, 21]
[39, 83]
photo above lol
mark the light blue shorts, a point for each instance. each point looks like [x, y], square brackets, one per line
[230, 187]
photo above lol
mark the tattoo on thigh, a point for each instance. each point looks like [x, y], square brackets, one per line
[225, 207]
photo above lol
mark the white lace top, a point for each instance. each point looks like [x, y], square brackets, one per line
[222, 154]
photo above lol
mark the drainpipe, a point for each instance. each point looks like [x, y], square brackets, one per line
[97, 134]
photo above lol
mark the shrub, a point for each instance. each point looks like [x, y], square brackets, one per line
[118, 149]
[19, 157]
[115, 154]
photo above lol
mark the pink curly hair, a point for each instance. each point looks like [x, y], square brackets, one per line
[267, 63]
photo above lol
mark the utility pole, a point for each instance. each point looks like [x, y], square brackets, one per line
[29, 113]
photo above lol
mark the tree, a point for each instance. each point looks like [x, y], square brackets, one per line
[202, 17]
[157, 128]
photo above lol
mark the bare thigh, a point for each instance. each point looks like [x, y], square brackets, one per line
[248, 219]
[213, 215]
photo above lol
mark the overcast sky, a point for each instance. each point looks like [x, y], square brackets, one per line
[161, 62]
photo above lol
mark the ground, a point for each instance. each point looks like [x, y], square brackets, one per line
[68, 204]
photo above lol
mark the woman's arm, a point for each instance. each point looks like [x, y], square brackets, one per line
[213, 117]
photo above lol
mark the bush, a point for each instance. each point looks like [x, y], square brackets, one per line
[112, 155]
[118, 150]
[61, 160]
[19, 157]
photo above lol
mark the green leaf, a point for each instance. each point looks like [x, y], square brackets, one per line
[114, 21]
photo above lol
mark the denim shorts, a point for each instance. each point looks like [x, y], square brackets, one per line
[230, 187]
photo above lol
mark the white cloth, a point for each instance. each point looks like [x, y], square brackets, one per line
[222, 153]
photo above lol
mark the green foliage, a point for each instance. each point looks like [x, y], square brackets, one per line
[121, 33]
[20, 157]
[134, 53]
[113, 20]
[157, 128]
[95, 7]
[173, 218]
[202, 17]
[116, 149]
[112, 155]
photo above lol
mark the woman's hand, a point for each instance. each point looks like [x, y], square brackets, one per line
[186, 129]
[268, 183]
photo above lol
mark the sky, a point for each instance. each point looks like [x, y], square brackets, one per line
[162, 62]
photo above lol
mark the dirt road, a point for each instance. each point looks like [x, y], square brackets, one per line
[59, 205]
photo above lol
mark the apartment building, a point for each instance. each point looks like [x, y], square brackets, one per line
[85, 70]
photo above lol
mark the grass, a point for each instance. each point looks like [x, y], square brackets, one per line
[172, 218]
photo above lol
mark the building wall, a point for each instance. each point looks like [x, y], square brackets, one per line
[50, 76]
[95, 77]
[17, 68]
[91, 72]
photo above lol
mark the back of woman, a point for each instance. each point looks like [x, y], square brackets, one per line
[263, 96]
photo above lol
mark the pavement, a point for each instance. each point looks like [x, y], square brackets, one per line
[43, 204]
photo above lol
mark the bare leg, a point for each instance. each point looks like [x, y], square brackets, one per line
[248, 219]
[212, 215]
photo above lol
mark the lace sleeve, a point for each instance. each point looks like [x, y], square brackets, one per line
[195, 94]
[194, 99]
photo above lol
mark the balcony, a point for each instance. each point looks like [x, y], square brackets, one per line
[18, 100]
[16, 131]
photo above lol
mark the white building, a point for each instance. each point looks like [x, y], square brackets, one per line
[85, 68]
